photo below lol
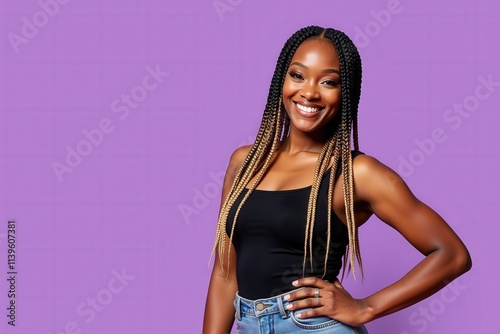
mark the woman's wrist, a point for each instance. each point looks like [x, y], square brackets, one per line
[367, 312]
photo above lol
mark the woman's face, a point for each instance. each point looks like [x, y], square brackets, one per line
[311, 92]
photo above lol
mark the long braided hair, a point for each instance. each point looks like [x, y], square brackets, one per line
[274, 129]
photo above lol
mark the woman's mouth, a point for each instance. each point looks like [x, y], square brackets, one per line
[307, 111]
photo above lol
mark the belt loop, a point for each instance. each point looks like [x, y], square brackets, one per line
[281, 307]
[238, 307]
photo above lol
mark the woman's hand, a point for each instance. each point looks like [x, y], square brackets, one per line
[326, 299]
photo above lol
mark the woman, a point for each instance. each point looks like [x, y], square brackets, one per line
[287, 218]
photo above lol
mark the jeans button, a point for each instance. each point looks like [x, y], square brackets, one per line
[261, 306]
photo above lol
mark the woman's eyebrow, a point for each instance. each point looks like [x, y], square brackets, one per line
[327, 70]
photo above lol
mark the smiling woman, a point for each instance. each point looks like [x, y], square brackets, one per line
[305, 185]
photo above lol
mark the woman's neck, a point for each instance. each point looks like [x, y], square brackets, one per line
[302, 142]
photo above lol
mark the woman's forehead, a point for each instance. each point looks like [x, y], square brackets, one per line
[317, 51]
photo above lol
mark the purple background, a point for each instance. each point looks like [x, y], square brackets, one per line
[120, 207]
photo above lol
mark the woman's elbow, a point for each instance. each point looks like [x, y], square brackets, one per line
[462, 261]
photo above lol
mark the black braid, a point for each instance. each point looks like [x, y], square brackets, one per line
[350, 73]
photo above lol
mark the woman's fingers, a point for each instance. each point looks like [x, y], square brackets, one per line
[303, 293]
[312, 288]
[315, 293]
[311, 281]
[314, 312]
[321, 298]
[305, 303]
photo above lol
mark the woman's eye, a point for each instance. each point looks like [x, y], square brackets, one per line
[331, 82]
[295, 75]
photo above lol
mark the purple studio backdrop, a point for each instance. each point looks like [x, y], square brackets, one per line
[117, 120]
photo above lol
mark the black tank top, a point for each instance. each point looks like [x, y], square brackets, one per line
[269, 239]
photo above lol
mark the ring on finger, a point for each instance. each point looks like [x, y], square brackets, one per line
[316, 293]
[318, 301]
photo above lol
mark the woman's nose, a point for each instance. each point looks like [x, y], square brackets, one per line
[309, 91]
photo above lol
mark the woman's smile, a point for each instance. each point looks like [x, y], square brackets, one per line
[306, 111]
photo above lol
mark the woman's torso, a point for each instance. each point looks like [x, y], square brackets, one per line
[269, 239]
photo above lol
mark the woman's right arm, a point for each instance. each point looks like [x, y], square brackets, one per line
[219, 309]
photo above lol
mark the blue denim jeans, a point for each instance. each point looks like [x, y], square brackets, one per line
[270, 316]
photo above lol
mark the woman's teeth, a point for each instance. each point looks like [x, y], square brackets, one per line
[307, 109]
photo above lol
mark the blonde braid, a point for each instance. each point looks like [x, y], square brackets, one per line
[258, 178]
[333, 170]
[321, 166]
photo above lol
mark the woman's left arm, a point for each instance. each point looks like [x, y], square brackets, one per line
[389, 198]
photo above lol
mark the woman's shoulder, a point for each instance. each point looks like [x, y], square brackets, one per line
[237, 158]
[364, 163]
[241, 152]
[372, 175]
[366, 160]
[235, 162]
[239, 155]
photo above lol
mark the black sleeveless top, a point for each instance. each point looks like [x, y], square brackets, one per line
[269, 239]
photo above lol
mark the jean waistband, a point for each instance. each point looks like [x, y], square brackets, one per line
[263, 306]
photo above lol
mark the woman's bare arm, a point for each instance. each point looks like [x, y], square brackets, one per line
[387, 196]
[219, 309]
[446, 257]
